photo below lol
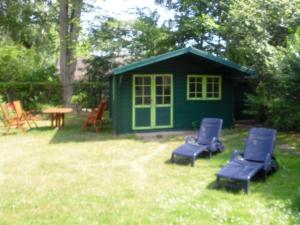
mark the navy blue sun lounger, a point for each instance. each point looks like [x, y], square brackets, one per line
[208, 140]
[258, 156]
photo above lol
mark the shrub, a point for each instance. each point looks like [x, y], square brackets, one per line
[79, 101]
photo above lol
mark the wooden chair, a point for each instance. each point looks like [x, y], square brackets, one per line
[23, 115]
[95, 117]
[9, 120]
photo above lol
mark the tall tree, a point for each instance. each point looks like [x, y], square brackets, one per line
[69, 21]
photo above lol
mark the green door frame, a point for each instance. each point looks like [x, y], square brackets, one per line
[153, 104]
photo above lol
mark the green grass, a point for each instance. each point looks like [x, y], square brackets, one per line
[50, 176]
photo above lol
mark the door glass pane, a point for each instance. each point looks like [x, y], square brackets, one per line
[147, 81]
[167, 100]
[159, 100]
[167, 81]
[138, 100]
[147, 90]
[159, 90]
[147, 100]
[167, 90]
[159, 81]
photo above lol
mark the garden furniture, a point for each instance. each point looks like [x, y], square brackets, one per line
[257, 156]
[24, 115]
[208, 140]
[10, 120]
[96, 117]
[57, 116]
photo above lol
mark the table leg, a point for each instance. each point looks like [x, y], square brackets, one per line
[59, 115]
[56, 120]
[52, 119]
[63, 119]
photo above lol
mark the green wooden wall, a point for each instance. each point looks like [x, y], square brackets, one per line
[186, 112]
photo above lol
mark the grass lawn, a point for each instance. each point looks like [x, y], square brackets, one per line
[50, 176]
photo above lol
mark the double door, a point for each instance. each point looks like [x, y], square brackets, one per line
[152, 102]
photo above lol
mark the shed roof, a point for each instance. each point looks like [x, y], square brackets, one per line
[199, 53]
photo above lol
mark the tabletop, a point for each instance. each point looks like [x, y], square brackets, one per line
[58, 110]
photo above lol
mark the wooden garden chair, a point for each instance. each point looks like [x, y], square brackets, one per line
[23, 115]
[9, 120]
[96, 117]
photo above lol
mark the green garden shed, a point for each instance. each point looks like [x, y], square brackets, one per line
[173, 91]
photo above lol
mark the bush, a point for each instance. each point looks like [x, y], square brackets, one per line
[79, 101]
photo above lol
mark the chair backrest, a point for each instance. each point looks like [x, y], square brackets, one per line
[260, 142]
[18, 108]
[210, 128]
[101, 108]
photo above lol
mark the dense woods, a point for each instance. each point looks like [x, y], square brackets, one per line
[264, 35]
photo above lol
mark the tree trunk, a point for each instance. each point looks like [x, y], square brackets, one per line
[69, 30]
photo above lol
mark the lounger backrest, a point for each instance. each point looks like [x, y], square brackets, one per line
[209, 128]
[260, 142]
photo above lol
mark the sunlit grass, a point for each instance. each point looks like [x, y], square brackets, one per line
[50, 176]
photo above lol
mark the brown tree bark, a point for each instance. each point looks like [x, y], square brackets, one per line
[69, 21]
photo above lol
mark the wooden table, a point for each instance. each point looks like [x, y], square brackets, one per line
[58, 116]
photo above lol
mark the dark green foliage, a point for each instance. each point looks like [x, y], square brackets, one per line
[277, 99]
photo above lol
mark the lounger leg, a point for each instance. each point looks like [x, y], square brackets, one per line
[172, 158]
[218, 182]
[246, 186]
[193, 161]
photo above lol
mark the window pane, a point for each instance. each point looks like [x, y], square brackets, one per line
[192, 80]
[147, 90]
[199, 95]
[147, 100]
[139, 100]
[167, 90]
[159, 100]
[209, 80]
[199, 87]
[159, 81]
[216, 87]
[209, 87]
[192, 87]
[192, 95]
[167, 81]
[139, 80]
[139, 90]
[147, 81]
[209, 95]
[159, 90]
[167, 100]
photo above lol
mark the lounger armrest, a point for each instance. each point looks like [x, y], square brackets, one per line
[236, 153]
[190, 140]
[268, 163]
[216, 145]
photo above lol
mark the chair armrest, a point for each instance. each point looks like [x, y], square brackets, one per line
[236, 153]
[190, 140]
[268, 162]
